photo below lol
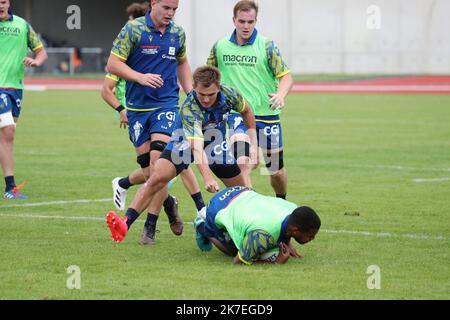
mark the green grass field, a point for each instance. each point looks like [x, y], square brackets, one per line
[354, 158]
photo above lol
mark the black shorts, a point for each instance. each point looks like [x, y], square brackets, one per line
[221, 171]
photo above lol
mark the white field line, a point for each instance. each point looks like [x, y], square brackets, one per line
[52, 203]
[402, 168]
[385, 234]
[37, 216]
[296, 88]
[349, 232]
[432, 180]
[35, 88]
[87, 87]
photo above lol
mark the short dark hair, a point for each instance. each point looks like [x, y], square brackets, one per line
[207, 75]
[305, 219]
[246, 6]
[137, 10]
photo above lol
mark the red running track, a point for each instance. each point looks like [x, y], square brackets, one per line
[406, 84]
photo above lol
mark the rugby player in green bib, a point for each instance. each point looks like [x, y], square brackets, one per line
[246, 225]
[253, 64]
[16, 37]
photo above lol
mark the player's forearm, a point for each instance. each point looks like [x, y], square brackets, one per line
[40, 57]
[250, 123]
[201, 160]
[286, 84]
[109, 97]
[184, 75]
[122, 70]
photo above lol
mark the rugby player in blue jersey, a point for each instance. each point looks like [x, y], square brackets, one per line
[201, 138]
[113, 92]
[150, 54]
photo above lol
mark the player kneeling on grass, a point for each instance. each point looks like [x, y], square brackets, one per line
[249, 226]
[200, 137]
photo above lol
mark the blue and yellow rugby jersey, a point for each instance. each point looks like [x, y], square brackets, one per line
[146, 50]
[196, 120]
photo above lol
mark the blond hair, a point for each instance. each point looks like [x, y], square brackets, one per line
[246, 6]
[207, 76]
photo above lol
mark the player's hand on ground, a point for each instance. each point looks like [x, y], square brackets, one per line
[151, 80]
[123, 119]
[30, 62]
[212, 186]
[284, 254]
[276, 101]
[293, 251]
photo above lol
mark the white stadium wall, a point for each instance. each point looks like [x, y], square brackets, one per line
[335, 36]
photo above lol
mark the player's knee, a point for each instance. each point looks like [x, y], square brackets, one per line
[144, 160]
[275, 162]
[158, 180]
[278, 175]
[7, 134]
[7, 125]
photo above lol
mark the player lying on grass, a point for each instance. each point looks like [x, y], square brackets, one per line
[249, 226]
[200, 137]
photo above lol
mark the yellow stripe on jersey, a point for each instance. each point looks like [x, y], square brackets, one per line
[243, 261]
[283, 74]
[37, 48]
[119, 56]
[112, 77]
[268, 121]
[142, 110]
[195, 138]
[245, 106]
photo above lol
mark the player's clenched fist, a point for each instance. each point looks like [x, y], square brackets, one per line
[212, 186]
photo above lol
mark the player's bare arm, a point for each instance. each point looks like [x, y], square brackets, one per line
[184, 75]
[122, 70]
[39, 59]
[250, 122]
[201, 162]
[110, 98]
[277, 99]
